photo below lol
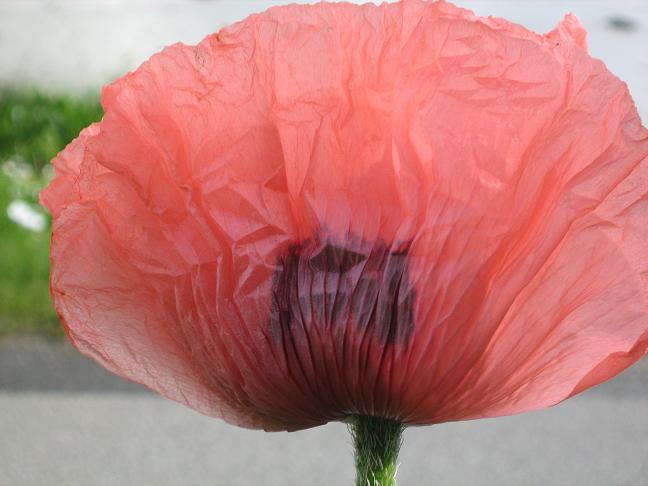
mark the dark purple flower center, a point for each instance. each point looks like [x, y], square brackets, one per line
[320, 284]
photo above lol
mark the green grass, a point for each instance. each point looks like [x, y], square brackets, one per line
[34, 127]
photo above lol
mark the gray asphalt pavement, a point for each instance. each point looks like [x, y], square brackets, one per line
[65, 421]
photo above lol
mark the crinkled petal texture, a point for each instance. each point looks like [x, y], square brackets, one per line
[400, 210]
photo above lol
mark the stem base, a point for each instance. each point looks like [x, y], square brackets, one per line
[377, 442]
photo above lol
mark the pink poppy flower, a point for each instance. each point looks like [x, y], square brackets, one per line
[402, 211]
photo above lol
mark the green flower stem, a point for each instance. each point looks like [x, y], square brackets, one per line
[377, 442]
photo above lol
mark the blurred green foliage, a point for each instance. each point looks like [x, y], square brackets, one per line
[34, 127]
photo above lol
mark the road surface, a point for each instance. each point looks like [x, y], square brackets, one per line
[65, 421]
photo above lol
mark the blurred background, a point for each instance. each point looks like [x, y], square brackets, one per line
[65, 421]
